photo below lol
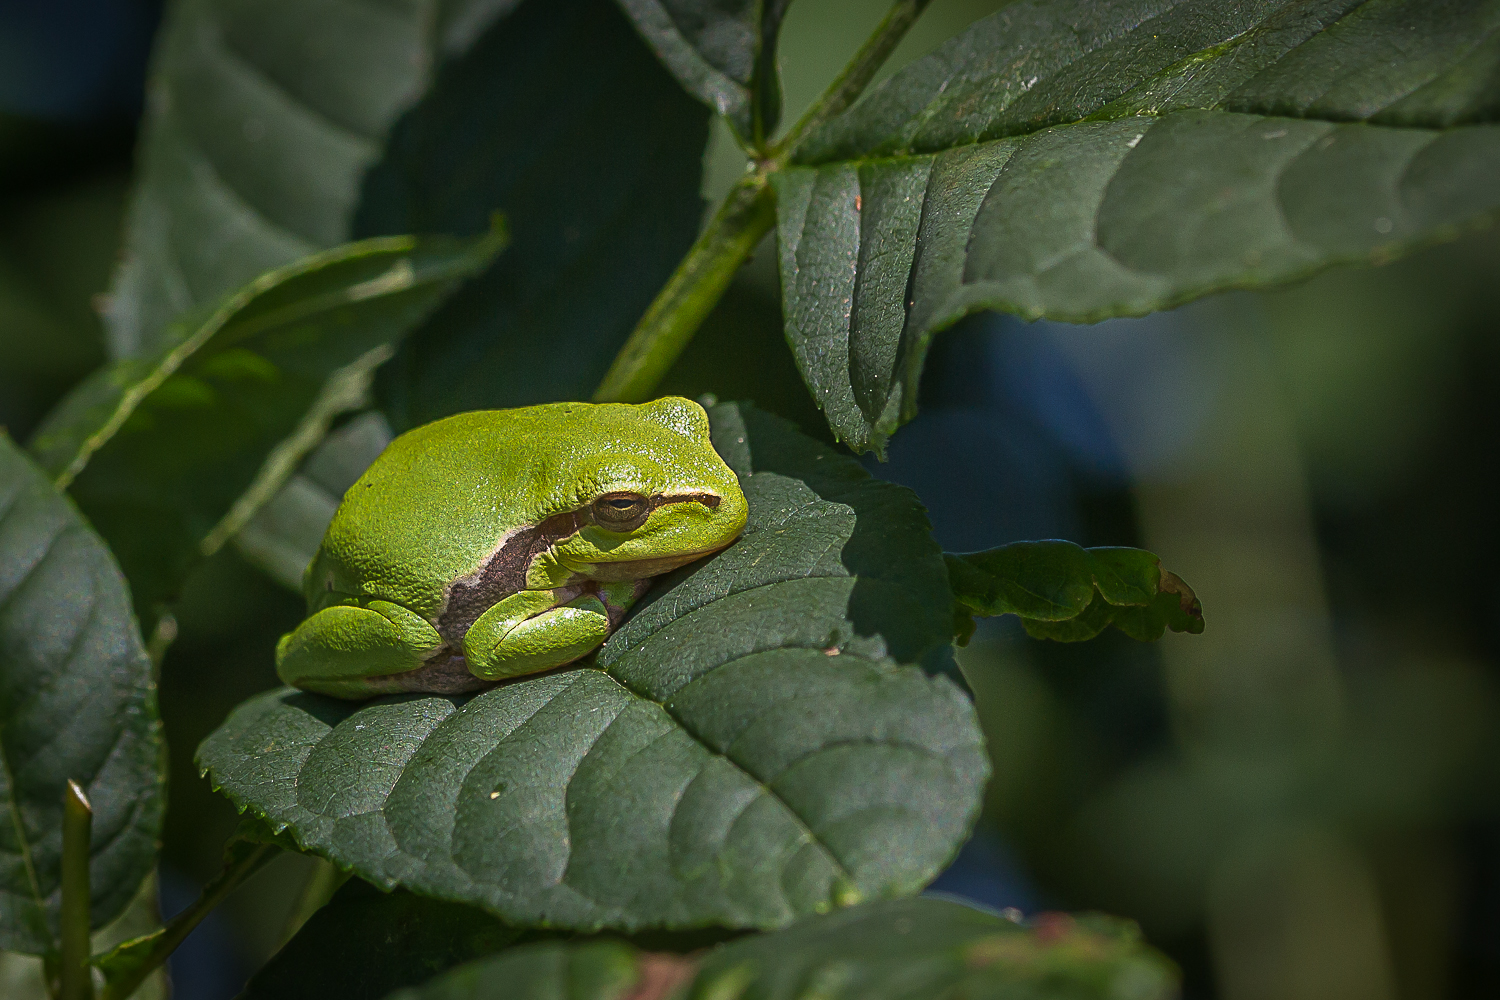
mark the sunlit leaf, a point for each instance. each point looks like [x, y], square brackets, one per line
[277, 129]
[1078, 160]
[749, 747]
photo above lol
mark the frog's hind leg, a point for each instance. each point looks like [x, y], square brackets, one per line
[525, 634]
[338, 649]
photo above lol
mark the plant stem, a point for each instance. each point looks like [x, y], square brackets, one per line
[165, 941]
[745, 215]
[76, 976]
[856, 75]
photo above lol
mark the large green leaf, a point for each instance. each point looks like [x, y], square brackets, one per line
[1079, 160]
[749, 747]
[77, 700]
[170, 453]
[914, 949]
[1064, 592]
[278, 129]
[723, 53]
[561, 118]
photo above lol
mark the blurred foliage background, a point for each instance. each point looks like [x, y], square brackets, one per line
[1300, 804]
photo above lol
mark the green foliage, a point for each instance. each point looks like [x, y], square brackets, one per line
[259, 133]
[364, 943]
[560, 118]
[271, 140]
[77, 701]
[773, 739]
[168, 454]
[746, 749]
[1063, 592]
[1078, 160]
[910, 949]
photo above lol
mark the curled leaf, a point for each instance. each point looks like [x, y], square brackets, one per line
[1068, 593]
[169, 454]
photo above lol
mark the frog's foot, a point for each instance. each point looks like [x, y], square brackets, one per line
[341, 649]
[507, 641]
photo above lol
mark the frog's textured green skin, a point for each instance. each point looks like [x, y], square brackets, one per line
[504, 542]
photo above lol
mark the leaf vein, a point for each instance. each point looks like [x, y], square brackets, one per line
[765, 789]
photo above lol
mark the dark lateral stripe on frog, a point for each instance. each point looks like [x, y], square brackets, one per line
[502, 575]
[505, 571]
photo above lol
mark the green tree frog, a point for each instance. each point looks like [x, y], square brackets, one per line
[499, 543]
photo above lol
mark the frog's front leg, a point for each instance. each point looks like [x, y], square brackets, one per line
[530, 631]
[335, 650]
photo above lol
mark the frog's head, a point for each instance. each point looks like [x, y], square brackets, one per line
[651, 492]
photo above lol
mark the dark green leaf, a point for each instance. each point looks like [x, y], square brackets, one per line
[1064, 592]
[747, 748]
[170, 453]
[263, 118]
[1079, 160]
[77, 700]
[365, 943]
[914, 949]
[561, 118]
[277, 129]
[724, 53]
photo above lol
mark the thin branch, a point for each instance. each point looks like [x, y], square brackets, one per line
[691, 293]
[127, 966]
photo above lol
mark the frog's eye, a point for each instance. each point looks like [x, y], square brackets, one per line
[621, 511]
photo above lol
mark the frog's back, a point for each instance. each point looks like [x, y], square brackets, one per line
[438, 502]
